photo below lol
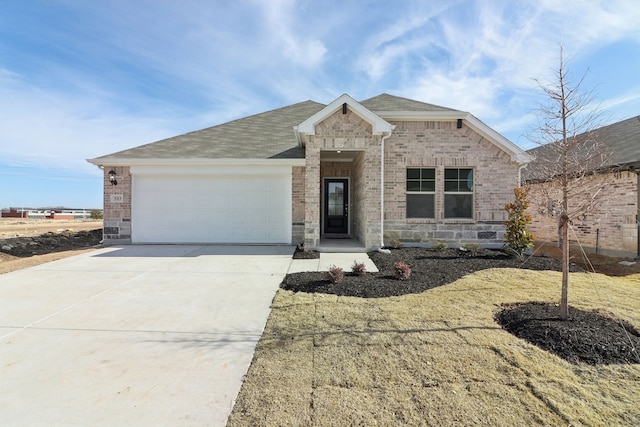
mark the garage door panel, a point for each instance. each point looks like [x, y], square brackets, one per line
[211, 209]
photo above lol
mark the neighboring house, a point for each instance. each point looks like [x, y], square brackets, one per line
[611, 226]
[378, 170]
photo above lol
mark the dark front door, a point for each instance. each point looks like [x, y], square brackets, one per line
[336, 206]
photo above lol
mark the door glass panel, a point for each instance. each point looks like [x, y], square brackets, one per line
[336, 198]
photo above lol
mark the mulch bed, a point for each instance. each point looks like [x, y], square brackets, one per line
[429, 269]
[46, 243]
[586, 337]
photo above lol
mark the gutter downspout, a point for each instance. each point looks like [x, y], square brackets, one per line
[385, 251]
[520, 174]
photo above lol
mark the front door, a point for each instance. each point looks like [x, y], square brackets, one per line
[336, 206]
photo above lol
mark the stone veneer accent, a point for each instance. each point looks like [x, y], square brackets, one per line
[117, 215]
[610, 225]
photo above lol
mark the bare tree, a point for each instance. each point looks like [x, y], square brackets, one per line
[568, 174]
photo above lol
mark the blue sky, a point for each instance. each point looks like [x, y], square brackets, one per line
[80, 79]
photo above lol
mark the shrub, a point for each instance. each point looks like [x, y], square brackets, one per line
[395, 243]
[438, 246]
[403, 271]
[358, 268]
[335, 274]
[471, 247]
[96, 214]
[517, 237]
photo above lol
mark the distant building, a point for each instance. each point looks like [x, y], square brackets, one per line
[46, 213]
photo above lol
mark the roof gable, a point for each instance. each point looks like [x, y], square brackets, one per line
[378, 124]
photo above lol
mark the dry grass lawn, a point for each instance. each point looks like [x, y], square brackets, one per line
[436, 358]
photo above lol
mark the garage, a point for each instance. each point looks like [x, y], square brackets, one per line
[211, 205]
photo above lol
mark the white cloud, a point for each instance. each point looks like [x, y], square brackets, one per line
[303, 51]
[42, 127]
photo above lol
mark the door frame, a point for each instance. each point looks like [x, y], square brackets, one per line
[323, 202]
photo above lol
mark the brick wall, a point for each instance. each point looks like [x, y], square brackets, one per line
[440, 145]
[117, 206]
[610, 226]
[412, 144]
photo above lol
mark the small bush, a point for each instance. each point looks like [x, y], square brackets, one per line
[335, 274]
[517, 237]
[403, 271]
[521, 256]
[358, 268]
[439, 246]
[96, 214]
[471, 247]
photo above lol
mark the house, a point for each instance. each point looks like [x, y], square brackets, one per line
[611, 226]
[386, 168]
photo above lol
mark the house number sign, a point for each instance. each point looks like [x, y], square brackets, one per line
[117, 198]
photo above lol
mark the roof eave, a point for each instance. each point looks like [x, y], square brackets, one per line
[121, 161]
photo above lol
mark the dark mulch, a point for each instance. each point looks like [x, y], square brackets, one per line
[587, 336]
[429, 269]
[24, 247]
[302, 253]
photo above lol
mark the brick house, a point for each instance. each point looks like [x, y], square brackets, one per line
[611, 226]
[381, 169]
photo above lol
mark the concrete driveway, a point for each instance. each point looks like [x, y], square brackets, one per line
[134, 335]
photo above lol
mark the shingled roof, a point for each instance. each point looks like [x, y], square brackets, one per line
[267, 135]
[261, 136]
[386, 102]
[623, 138]
[620, 141]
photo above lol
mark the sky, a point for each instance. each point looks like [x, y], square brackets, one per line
[81, 79]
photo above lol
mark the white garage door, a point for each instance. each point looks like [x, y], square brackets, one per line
[211, 209]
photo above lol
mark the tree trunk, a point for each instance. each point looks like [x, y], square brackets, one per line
[564, 299]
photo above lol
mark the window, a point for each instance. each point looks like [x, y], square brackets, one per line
[421, 189]
[458, 193]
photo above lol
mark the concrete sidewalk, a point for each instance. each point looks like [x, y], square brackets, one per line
[136, 335]
[326, 260]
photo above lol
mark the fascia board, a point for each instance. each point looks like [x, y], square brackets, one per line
[378, 124]
[116, 161]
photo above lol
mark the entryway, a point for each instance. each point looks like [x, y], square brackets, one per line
[336, 207]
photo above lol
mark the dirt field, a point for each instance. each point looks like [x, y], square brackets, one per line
[18, 227]
[36, 241]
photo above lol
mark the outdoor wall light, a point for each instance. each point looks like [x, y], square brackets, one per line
[112, 177]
